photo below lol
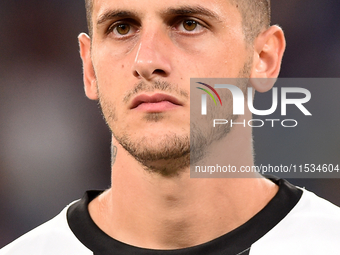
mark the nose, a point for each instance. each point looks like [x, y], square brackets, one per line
[152, 58]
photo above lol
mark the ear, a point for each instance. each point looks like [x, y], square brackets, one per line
[269, 47]
[90, 82]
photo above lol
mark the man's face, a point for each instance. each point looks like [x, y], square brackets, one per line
[144, 54]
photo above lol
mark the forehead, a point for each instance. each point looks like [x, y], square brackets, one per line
[222, 9]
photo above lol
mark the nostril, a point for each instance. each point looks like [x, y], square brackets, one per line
[159, 72]
[136, 74]
[147, 75]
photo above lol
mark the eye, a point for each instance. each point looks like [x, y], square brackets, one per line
[122, 30]
[190, 25]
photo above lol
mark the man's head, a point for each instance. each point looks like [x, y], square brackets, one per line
[256, 16]
[142, 54]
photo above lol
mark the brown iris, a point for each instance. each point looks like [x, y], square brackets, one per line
[123, 29]
[189, 25]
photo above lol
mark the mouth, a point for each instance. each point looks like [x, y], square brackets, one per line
[155, 103]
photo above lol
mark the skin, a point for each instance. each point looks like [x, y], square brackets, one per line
[145, 208]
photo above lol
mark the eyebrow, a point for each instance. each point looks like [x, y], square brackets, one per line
[192, 10]
[112, 14]
[182, 10]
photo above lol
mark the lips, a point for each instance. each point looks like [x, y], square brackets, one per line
[156, 102]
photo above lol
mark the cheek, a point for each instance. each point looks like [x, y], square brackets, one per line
[114, 57]
[113, 71]
[219, 62]
[215, 56]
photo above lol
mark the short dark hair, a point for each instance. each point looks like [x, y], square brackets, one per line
[255, 16]
[89, 10]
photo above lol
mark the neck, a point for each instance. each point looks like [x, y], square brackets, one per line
[148, 210]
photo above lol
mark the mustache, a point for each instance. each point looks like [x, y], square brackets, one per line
[163, 86]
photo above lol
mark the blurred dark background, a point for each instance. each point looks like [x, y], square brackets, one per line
[54, 144]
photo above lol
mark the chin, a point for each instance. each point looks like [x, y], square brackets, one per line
[157, 151]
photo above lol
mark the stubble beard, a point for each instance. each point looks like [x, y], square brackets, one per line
[171, 154]
[167, 155]
[201, 139]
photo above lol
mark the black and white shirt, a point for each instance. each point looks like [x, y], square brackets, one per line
[294, 222]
